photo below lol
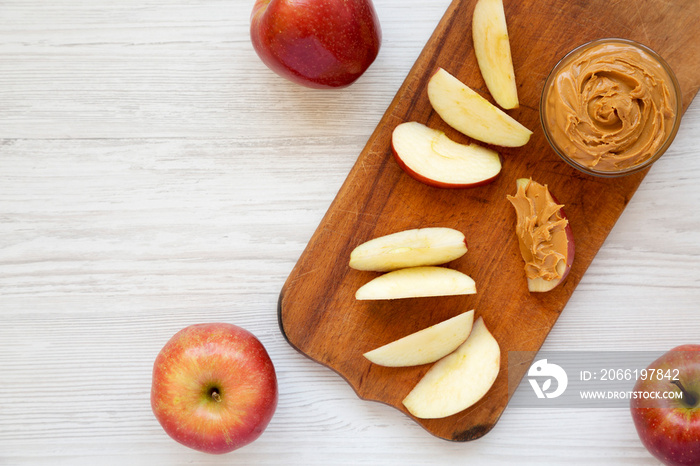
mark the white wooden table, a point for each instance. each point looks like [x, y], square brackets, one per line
[155, 174]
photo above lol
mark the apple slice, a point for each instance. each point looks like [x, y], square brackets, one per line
[431, 157]
[492, 48]
[409, 248]
[417, 282]
[469, 113]
[544, 235]
[425, 346]
[458, 380]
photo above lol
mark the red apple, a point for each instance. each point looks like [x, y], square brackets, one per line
[431, 157]
[214, 387]
[316, 43]
[670, 427]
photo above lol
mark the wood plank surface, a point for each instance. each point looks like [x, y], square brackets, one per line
[317, 310]
[155, 174]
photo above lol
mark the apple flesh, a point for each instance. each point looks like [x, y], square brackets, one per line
[458, 380]
[409, 248]
[425, 346]
[469, 113]
[417, 282]
[669, 428]
[316, 43]
[540, 285]
[492, 49]
[563, 266]
[214, 387]
[431, 157]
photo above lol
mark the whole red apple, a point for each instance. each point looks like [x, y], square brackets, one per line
[670, 427]
[214, 387]
[316, 43]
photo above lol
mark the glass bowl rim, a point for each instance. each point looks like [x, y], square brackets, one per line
[675, 88]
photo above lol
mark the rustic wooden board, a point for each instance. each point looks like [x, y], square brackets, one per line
[317, 310]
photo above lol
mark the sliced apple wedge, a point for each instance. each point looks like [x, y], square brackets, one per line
[417, 282]
[492, 48]
[431, 157]
[425, 346]
[469, 113]
[544, 234]
[409, 248]
[458, 380]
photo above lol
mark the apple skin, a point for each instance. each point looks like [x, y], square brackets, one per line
[206, 357]
[439, 184]
[316, 43]
[670, 428]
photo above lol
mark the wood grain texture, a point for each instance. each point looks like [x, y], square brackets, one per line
[318, 312]
[154, 174]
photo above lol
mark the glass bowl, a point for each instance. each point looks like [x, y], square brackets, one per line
[600, 115]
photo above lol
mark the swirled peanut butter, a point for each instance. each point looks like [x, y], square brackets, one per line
[541, 231]
[610, 106]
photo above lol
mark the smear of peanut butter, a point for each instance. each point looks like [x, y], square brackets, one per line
[610, 106]
[541, 231]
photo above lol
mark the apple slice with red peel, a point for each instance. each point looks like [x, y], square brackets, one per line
[425, 346]
[417, 282]
[469, 113]
[409, 248]
[492, 49]
[458, 380]
[559, 249]
[316, 43]
[431, 157]
[540, 285]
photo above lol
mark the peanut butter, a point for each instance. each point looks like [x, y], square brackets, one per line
[541, 231]
[611, 106]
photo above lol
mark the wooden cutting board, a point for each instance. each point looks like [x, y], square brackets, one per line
[317, 310]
